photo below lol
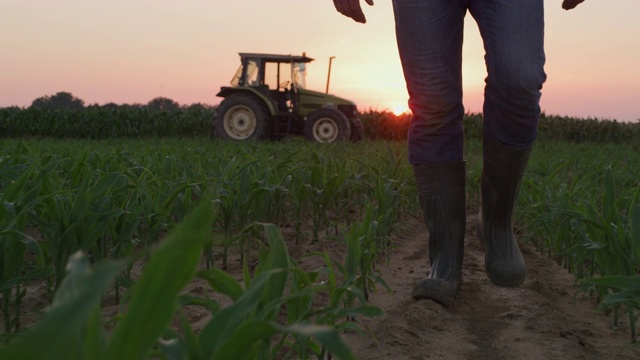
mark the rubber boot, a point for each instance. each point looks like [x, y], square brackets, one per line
[502, 172]
[441, 190]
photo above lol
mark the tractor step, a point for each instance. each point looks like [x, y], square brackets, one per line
[283, 124]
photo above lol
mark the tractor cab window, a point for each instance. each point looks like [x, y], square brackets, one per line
[299, 73]
[277, 76]
[251, 76]
[235, 81]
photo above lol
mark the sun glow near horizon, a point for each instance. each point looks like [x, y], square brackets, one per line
[400, 109]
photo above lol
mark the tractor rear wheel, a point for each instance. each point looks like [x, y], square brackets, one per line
[241, 117]
[327, 126]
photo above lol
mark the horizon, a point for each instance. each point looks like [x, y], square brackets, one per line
[361, 111]
[131, 52]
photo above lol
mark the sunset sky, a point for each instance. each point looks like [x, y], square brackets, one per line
[130, 51]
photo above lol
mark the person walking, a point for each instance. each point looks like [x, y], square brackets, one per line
[429, 35]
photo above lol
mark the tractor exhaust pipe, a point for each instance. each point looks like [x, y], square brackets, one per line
[329, 74]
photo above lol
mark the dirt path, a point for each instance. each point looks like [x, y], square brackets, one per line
[539, 320]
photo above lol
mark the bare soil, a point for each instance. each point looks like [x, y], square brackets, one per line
[542, 319]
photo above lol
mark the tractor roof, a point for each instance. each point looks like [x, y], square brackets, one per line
[278, 58]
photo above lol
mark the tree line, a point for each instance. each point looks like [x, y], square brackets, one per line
[64, 100]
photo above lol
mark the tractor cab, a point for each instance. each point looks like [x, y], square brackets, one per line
[278, 76]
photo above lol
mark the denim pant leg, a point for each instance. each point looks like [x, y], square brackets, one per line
[429, 36]
[513, 36]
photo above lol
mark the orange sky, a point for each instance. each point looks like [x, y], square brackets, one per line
[130, 51]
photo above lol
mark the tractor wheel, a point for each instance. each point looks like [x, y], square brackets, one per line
[327, 126]
[241, 117]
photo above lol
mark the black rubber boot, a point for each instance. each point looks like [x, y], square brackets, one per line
[441, 190]
[502, 172]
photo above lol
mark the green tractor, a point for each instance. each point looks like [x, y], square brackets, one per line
[268, 99]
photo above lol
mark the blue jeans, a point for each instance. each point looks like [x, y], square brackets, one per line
[429, 36]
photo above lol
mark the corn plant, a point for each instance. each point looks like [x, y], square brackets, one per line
[596, 238]
[597, 232]
[18, 198]
[619, 291]
[78, 221]
[366, 243]
[287, 286]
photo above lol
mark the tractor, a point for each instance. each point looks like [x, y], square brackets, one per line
[268, 99]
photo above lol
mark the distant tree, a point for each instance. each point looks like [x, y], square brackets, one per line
[198, 107]
[111, 105]
[163, 103]
[61, 100]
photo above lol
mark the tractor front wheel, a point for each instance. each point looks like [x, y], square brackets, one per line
[241, 117]
[327, 126]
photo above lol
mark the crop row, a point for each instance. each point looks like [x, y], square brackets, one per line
[581, 207]
[97, 122]
[107, 122]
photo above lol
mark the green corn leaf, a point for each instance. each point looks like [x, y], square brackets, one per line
[81, 202]
[364, 310]
[222, 282]
[327, 337]
[154, 298]
[631, 297]
[609, 209]
[634, 224]
[190, 339]
[226, 321]
[378, 279]
[95, 337]
[193, 300]
[352, 262]
[617, 282]
[29, 276]
[15, 190]
[278, 259]
[240, 344]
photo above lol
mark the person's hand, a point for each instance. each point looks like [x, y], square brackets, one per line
[570, 4]
[352, 9]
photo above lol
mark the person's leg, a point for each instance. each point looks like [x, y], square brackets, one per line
[513, 35]
[429, 36]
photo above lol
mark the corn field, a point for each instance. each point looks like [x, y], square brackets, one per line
[93, 205]
[84, 203]
[135, 121]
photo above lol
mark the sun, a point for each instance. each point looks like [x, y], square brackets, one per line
[400, 109]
